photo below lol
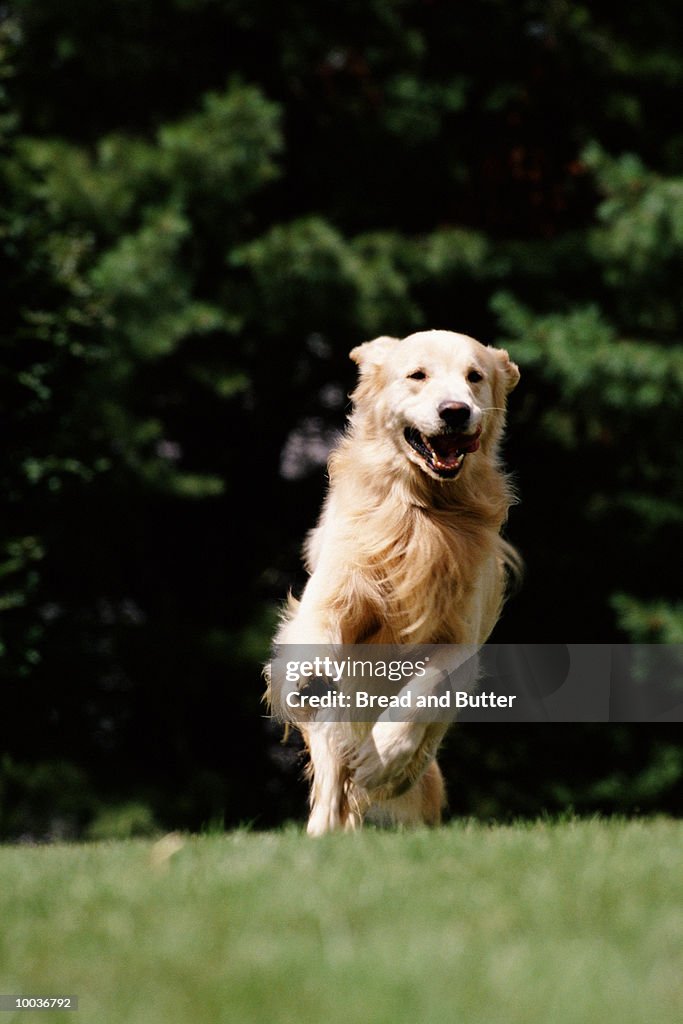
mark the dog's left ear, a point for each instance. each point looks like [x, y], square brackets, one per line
[510, 370]
[372, 353]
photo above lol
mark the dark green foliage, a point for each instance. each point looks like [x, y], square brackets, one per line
[204, 205]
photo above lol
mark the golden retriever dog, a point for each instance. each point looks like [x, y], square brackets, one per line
[408, 550]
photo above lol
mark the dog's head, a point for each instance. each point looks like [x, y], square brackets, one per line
[436, 395]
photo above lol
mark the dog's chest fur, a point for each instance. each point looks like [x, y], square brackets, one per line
[418, 574]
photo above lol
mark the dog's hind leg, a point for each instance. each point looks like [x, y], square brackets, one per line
[432, 792]
[422, 804]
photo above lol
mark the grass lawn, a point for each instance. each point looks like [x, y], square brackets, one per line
[580, 921]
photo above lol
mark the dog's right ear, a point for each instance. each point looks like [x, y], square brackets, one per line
[372, 353]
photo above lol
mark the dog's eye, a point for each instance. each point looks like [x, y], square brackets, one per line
[474, 377]
[418, 375]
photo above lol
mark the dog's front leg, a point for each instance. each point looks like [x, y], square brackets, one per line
[314, 630]
[331, 808]
[400, 749]
[386, 755]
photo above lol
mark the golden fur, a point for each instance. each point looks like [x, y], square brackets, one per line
[401, 555]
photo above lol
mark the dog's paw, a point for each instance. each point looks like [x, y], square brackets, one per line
[386, 754]
[320, 822]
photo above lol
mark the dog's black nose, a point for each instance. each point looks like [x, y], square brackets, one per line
[454, 414]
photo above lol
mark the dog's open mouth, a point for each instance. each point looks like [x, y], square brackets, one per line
[443, 453]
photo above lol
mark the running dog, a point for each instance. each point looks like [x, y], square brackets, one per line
[408, 550]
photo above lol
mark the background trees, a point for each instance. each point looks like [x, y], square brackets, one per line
[205, 205]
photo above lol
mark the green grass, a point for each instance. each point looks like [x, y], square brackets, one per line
[579, 921]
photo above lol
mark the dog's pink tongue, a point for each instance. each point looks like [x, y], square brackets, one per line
[447, 450]
[449, 447]
[471, 444]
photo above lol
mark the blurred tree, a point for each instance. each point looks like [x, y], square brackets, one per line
[205, 205]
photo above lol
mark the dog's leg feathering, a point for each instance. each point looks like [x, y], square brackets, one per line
[332, 801]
